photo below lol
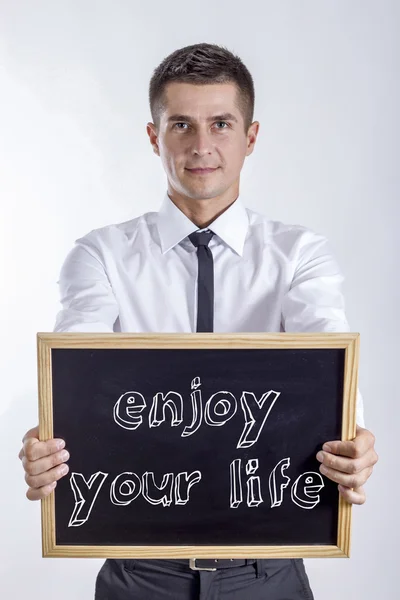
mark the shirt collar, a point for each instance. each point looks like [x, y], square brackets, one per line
[231, 226]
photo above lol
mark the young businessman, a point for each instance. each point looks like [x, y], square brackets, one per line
[144, 276]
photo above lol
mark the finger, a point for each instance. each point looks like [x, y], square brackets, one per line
[355, 448]
[356, 496]
[37, 481]
[38, 494]
[42, 465]
[341, 448]
[348, 465]
[33, 449]
[351, 481]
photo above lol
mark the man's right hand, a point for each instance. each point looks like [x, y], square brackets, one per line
[43, 462]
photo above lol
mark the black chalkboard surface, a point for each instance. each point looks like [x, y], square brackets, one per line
[196, 445]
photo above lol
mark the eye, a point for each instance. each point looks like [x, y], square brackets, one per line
[224, 122]
[179, 124]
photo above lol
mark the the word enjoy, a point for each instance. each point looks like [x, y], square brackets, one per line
[218, 410]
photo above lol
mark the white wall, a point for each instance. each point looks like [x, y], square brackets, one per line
[74, 155]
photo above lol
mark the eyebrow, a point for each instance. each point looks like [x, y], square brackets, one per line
[223, 117]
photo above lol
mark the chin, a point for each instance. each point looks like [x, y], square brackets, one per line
[206, 195]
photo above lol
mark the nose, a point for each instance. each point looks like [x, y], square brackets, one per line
[202, 144]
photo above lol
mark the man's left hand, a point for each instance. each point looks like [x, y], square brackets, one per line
[350, 464]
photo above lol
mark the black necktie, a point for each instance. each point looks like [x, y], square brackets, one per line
[205, 280]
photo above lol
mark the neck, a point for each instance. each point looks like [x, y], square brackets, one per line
[202, 212]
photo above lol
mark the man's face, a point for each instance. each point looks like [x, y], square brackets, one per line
[202, 128]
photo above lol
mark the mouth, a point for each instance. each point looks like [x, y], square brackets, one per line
[201, 171]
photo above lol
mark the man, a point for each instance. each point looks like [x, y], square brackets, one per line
[204, 262]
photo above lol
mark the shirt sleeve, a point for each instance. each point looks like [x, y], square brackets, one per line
[314, 301]
[87, 299]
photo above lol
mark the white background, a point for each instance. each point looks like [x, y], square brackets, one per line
[75, 155]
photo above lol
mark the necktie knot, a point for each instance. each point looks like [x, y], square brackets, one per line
[201, 238]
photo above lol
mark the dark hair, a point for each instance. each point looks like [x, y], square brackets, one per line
[201, 64]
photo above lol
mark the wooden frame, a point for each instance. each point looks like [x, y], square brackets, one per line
[47, 341]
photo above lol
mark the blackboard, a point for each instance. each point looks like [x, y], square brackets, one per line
[182, 445]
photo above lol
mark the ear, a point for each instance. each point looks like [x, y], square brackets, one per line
[153, 135]
[252, 136]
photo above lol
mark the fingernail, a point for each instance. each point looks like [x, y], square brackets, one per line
[60, 444]
[53, 485]
[64, 469]
[327, 448]
[320, 456]
[64, 455]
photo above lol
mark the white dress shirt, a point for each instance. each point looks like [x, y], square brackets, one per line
[141, 276]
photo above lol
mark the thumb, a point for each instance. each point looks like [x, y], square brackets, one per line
[32, 433]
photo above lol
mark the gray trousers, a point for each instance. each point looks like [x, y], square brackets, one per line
[267, 579]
